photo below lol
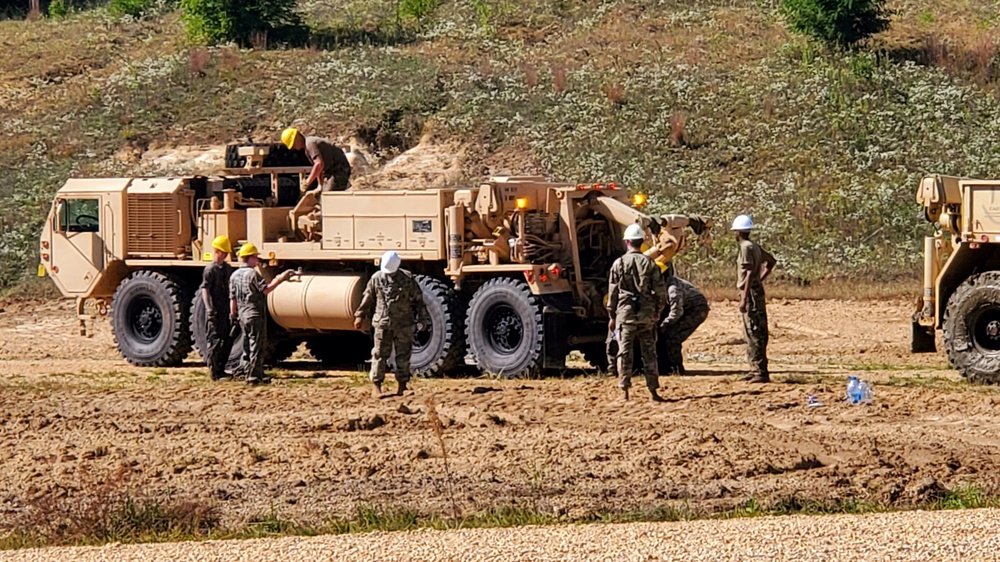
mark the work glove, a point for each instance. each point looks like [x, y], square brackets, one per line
[286, 275]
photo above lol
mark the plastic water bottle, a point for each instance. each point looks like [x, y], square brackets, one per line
[853, 390]
[865, 390]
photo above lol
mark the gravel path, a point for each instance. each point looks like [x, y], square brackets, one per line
[904, 536]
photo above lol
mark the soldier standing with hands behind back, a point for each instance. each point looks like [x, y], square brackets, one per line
[393, 301]
[753, 264]
[636, 295]
[248, 305]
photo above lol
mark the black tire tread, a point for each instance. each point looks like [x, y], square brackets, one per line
[180, 344]
[968, 363]
[533, 367]
[453, 354]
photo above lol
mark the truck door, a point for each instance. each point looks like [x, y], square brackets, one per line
[77, 243]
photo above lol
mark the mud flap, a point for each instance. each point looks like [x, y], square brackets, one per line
[922, 339]
[555, 342]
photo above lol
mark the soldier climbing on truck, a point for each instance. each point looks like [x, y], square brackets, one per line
[330, 170]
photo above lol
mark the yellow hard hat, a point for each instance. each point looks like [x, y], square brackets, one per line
[222, 244]
[248, 250]
[288, 136]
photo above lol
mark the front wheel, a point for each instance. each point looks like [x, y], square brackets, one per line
[149, 320]
[505, 329]
[972, 328]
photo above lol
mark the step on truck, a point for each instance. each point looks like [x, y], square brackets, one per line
[514, 271]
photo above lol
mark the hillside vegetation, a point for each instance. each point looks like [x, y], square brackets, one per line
[712, 107]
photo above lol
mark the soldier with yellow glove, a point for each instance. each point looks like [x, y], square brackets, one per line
[248, 305]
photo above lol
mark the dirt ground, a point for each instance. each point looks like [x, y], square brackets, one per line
[316, 443]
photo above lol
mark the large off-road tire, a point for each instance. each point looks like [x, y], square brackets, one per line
[149, 320]
[279, 347]
[505, 329]
[440, 347]
[972, 328]
[341, 350]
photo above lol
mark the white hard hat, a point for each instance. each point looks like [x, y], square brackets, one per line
[634, 232]
[390, 262]
[743, 223]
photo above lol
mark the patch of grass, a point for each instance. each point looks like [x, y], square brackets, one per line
[966, 497]
[129, 520]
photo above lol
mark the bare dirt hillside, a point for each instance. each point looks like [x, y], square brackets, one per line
[317, 443]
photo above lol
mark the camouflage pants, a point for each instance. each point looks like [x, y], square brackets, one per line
[755, 331]
[219, 345]
[386, 339]
[254, 340]
[645, 337]
[675, 336]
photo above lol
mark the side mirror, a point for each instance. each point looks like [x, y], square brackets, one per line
[57, 216]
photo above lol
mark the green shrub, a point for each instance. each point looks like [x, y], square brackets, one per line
[838, 23]
[251, 22]
[416, 10]
[58, 9]
[134, 8]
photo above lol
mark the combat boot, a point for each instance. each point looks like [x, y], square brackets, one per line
[401, 388]
[656, 396]
[378, 388]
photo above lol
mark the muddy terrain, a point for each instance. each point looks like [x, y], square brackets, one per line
[76, 420]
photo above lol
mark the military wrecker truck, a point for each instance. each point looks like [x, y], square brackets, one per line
[514, 271]
[961, 285]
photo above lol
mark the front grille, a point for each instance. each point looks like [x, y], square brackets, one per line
[152, 225]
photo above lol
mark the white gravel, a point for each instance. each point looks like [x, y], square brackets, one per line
[905, 536]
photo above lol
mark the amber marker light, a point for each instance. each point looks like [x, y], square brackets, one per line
[639, 199]
[522, 202]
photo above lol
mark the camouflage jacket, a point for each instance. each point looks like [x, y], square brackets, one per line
[393, 301]
[636, 292]
[682, 298]
[246, 287]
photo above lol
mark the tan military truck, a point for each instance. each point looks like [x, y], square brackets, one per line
[514, 271]
[961, 293]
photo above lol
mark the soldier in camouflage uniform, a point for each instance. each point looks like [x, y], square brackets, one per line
[753, 265]
[393, 301]
[687, 308]
[636, 295]
[248, 305]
